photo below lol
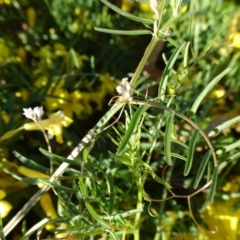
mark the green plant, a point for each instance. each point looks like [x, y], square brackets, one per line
[109, 195]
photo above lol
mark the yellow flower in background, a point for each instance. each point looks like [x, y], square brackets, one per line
[30, 173]
[53, 124]
[4, 51]
[145, 7]
[6, 2]
[168, 223]
[5, 117]
[183, 236]
[60, 49]
[9, 134]
[97, 96]
[69, 103]
[5, 208]
[234, 35]
[45, 55]
[23, 94]
[48, 53]
[41, 81]
[218, 92]
[77, 11]
[21, 52]
[127, 5]
[31, 16]
[233, 185]
[76, 58]
[236, 40]
[76, 102]
[108, 86]
[220, 215]
[47, 206]
[92, 97]
[2, 194]
[8, 184]
[184, 9]
[64, 235]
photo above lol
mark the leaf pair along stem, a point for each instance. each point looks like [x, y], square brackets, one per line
[193, 124]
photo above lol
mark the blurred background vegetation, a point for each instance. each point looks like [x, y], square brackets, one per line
[51, 56]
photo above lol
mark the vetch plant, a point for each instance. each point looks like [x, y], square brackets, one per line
[158, 151]
[36, 115]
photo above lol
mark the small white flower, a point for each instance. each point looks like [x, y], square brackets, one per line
[29, 113]
[39, 112]
[34, 114]
[125, 89]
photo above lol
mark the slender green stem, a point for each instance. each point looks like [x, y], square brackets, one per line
[144, 60]
[48, 143]
[139, 206]
[159, 228]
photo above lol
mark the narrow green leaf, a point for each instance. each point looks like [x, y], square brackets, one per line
[72, 209]
[123, 32]
[96, 216]
[74, 57]
[224, 125]
[110, 192]
[202, 168]
[167, 139]
[213, 185]
[173, 155]
[190, 153]
[209, 171]
[85, 154]
[39, 226]
[233, 157]
[228, 148]
[78, 194]
[131, 128]
[127, 15]
[82, 187]
[31, 181]
[123, 215]
[212, 189]
[207, 89]
[30, 163]
[57, 186]
[159, 180]
[58, 158]
[73, 172]
[85, 231]
[224, 163]
[179, 143]
[167, 71]
[185, 59]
